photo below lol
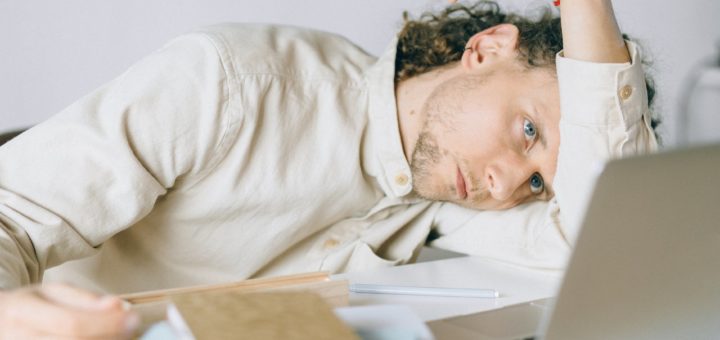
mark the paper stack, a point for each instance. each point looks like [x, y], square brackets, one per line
[152, 305]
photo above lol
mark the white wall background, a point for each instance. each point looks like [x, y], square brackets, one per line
[53, 52]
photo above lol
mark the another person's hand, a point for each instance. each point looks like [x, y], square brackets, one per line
[58, 311]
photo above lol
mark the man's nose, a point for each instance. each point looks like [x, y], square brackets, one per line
[506, 174]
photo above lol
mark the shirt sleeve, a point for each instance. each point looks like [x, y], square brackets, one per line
[93, 170]
[605, 115]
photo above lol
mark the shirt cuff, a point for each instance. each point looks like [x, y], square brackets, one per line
[602, 94]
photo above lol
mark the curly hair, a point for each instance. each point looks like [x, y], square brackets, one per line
[434, 40]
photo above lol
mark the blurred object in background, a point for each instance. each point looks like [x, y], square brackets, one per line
[699, 103]
[7, 136]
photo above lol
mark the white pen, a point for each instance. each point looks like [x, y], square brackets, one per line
[426, 291]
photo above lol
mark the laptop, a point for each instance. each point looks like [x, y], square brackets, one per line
[646, 263]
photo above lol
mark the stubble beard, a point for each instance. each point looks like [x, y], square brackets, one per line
[441, 111]
[425, 157]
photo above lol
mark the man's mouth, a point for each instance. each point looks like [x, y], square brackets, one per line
[460, 185]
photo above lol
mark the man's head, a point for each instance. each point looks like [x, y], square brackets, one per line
[486, 131]
[439, 39]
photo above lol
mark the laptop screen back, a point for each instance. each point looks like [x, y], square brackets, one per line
[647, 261]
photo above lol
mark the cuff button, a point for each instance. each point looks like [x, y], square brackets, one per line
[625, 92]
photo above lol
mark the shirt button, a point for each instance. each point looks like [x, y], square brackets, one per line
[330, 243]
[626, 92]
[401, 179]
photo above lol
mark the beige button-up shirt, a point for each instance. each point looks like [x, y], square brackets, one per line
[234, 152]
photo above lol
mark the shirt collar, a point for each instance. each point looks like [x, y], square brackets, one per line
[391, 169]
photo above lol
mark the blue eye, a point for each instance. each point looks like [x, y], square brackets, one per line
[536, 183]
[530, 130]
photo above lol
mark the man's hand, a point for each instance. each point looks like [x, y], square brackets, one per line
[59, 311]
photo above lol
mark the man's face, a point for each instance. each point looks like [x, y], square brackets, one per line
[490, 140]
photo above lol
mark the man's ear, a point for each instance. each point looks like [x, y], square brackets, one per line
[490, 45]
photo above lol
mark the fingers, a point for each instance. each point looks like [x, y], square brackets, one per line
[22, 334]
[78, 298]
[50, 312]
[86, 302]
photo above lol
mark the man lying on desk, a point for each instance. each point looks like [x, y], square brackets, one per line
[241, 151]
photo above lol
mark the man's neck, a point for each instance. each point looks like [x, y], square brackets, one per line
[411, 95]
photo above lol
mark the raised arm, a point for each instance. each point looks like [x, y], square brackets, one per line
[591, 33]
[603, 100]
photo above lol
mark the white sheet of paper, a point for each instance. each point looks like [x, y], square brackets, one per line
[385, 322]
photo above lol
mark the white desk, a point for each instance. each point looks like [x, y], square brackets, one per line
[515, 284]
